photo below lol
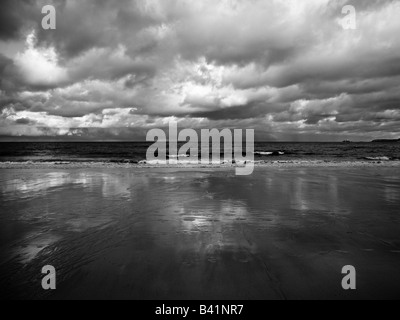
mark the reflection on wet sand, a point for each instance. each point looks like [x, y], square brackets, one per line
[200, 234]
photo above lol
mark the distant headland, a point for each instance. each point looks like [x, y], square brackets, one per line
[386, 140]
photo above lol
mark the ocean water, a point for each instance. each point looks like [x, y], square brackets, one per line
[136, 151]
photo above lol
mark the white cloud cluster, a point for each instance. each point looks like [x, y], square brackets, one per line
[39, 66]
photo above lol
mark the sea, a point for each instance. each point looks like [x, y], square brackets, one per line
[133, 152]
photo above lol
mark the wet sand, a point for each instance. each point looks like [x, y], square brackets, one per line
[124, 232]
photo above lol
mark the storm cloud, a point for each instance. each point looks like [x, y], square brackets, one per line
[114, 69]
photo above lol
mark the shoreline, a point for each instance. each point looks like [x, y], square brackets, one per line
[257, 164]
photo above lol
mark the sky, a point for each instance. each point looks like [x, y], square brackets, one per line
[115, 69]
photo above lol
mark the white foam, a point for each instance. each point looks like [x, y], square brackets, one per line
[179, 156]
[268, 153]
[378, 158]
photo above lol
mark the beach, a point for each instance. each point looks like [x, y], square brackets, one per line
[130, 232]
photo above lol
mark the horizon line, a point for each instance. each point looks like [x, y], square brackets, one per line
[167, 141]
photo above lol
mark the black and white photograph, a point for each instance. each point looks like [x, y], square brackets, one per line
[200, 155]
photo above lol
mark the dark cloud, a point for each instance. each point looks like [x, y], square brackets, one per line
[10, 79]
[15, 16]
[23, 121]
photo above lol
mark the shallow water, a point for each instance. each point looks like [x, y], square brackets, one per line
[282, 233]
